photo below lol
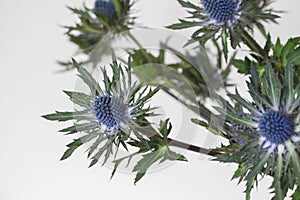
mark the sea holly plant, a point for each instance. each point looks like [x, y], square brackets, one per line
[102, 22]
[265, 136]
[108, 114]
[225, 19]
[261, 133]
[115, 116]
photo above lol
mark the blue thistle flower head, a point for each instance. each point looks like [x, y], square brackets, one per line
[221, 12]
[110, 112]
[105, 8]
[276, 126]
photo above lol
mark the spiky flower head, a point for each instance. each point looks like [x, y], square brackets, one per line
[109, 113]
[269, 143]
[105, 8]
[222, 12]
[106, 19]
[226, 18]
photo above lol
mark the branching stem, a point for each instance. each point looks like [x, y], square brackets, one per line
[251, 43]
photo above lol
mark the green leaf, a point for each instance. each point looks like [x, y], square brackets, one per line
[200, 122]
[78, 128]
[254, 171]
[224, 44]
[118, 162]
[188, 4]
[237, 119]
[241, 65]
[106, 149]
[118, 7]
[288, 47]
[165, 130]
[184, 24]
[295, 160]
[77, 143]
[289, 83]
[142, 166]
[60, 116]
[277, 48]
[163, 153]
[244, 103]
[277, 178]
[80, 99]
[88, 79]
[241, 172]
[272, 87]
[268, 44]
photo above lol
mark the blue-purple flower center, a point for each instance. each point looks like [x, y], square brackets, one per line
[109, 111]
[221, 10]
[276, 126]
[105, 8]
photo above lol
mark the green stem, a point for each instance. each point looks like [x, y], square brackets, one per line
[139, 46]
[253, 45]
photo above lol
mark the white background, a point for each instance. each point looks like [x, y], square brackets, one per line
[30, 147]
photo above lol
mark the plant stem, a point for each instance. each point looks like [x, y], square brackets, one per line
[140, 46]
[197, 149]
[151, 133]
[252, 44]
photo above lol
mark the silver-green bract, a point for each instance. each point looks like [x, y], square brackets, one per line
[246, 15]
[256, 143]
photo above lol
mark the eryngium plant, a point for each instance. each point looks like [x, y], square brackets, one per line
[265, 138]
[105, 20]
[225, 19]
[115, 116]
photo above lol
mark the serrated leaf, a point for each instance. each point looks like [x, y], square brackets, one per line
[273, 88]
[60, 116]
[107, 149]
[236, 119]
[240, 172]
[200, 122]
[187, 4]
[183, 24]
[80, 99]
[143, 165]
[77, 143]
[118, 162]
[289, 83]
[244, 103]
[224, 44]
[241, 65]
[88, 79]
[78, 128]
